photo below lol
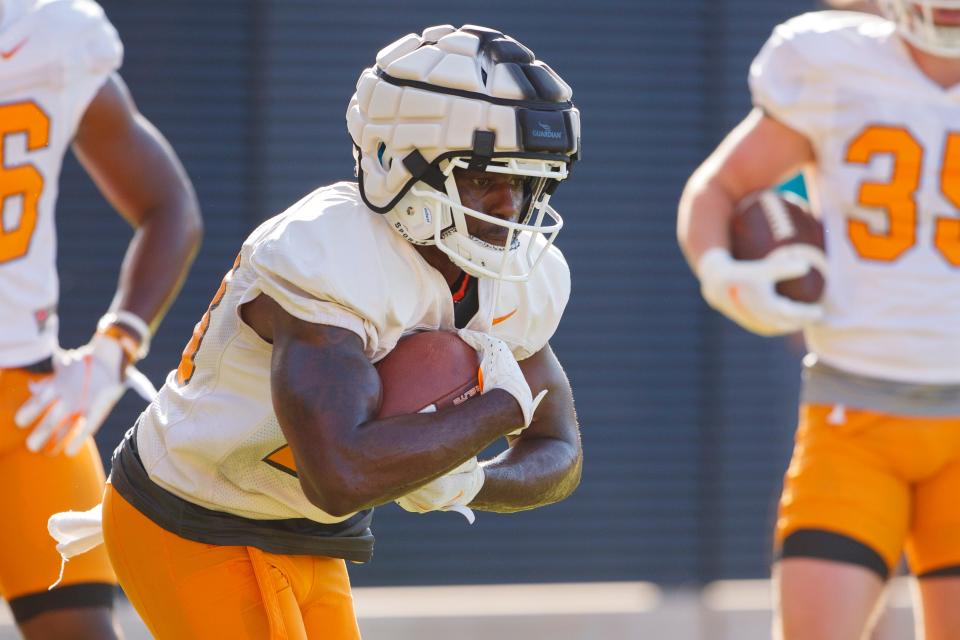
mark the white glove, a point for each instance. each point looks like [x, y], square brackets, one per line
[745, 290]
[499, 370]
[76, 399]
[452, 491]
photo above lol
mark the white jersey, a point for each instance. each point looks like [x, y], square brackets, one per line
[54, 57]
[212, 438]
[886, 185]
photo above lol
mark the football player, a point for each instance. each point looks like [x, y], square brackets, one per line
[244, 486]
[868, 6]
[868, 106]
[59, 87]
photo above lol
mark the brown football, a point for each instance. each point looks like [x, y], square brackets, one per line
[427, 371]
[767, 220]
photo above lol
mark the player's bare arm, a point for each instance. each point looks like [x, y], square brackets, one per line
[326, 394]
[139, 174]
[543, 464]
[757, 154]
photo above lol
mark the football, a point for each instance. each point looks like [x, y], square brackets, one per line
[767, 220]
[427, 371]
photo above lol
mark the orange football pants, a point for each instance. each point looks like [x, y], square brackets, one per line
[890, 482]
[37, 485]
[185, 590]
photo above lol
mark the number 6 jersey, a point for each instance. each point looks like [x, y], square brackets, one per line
[54, 57]
[886, 185]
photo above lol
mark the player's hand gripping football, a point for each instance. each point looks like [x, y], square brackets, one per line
[452, 491]
[73, 402]
[499, 370]
[744, 290]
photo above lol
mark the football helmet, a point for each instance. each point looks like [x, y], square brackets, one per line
[915, 20]
[467, 98]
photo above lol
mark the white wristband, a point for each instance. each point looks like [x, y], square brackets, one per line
[131, 320]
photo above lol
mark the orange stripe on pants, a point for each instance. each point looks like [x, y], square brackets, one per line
[184, 589]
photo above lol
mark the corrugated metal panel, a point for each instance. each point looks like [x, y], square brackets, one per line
[686, 419]
[187, 65]
[758, 377]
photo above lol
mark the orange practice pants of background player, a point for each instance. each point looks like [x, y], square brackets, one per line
[187, 590]
[890, 482]
[35, 486]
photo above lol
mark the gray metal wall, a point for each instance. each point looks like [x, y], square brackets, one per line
[686, 420]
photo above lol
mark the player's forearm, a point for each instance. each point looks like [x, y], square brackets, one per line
[384, 459]
[531, 474]
[757, 154]
[158, 258]
[704, 217]
[404, 452]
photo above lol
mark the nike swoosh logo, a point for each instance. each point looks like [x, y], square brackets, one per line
[6, 55]
[504, 318]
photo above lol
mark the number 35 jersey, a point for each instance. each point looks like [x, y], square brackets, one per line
[54, 57]
[886, 185]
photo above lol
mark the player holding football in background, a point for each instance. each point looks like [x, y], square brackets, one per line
[243, 487]
[870, 108]
[58, 87]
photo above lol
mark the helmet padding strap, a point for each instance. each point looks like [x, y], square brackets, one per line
[483, 145]
[423, 171]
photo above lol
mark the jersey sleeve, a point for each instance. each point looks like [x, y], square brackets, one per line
[787, 82]
[300, 292]
[92, 51]
[307, 282]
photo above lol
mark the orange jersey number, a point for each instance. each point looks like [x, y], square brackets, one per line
[186, 368]
[948, 229]
[22, 180]
[897, 196]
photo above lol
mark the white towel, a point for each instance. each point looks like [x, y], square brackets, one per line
[76, 532]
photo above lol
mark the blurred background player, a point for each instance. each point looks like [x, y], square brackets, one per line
[236, 498]
[58, 87]
[868, 6]
[868, 106]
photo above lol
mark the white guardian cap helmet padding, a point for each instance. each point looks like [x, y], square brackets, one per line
[916, 23]
[463, 98]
